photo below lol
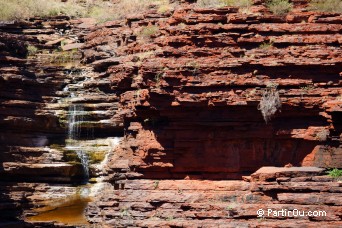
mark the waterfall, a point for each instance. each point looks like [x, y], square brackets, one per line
[76, 118]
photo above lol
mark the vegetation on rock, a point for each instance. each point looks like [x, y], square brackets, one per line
[270, 102]
[335, 173]
[279, 7]
[222, 3]
[31, 50]
[266, 45]
[24, 9]
[96, 156]
[149, 31]
[100, 10]
[334, 6]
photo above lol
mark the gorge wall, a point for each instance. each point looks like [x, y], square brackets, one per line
[182, 89]
[189, 91]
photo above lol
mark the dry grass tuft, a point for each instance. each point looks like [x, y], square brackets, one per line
[333, 6]
[222, 3]
[279, 7]
[149, 31]
[100, 10]
[24, 9]
[270, 102]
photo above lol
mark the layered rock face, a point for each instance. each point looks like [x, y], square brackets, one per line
[184, 88]
[225, 203]
[41, 83]
[190, 83]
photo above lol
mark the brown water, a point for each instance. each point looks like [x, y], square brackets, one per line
[71, 213]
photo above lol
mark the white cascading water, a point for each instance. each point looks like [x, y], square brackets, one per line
[76, 117]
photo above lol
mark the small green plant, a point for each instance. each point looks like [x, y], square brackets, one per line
[194, 66]
[266, 45]
[261, 219]
[64, 56]
[333, 6]
[271, 85]
[159, 76]
[96, 157]
[56, 146]
[70, 156]
[307, 88]
[149, 31]
[155, 184]
[181, 25]
[31, 50]
[279, 7]
[251, 93]
[229, 208]
[170, 218]
[125, 213]
[335, 173]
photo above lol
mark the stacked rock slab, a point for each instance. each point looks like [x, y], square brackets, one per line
[185, 87]
[189, 90]
[225, 203]
[189, 83]
[35, 71]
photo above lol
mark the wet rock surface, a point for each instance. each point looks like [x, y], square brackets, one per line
[40, 78]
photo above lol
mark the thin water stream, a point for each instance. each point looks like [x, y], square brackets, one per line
[91, 152]
[75, 120]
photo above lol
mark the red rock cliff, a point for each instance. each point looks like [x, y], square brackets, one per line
[190, 83]
[183, 87]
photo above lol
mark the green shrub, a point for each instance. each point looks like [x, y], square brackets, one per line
[279, 7]
[266, 45]
[64, 56]
[155, 184]
[31, 50]
[335, 173]
[96, 157]
[334, 6]
[149, 31]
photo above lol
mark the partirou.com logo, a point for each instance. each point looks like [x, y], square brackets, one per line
[289, 213]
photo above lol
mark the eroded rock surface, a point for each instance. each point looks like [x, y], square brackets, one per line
[189, 90]
[183, 88]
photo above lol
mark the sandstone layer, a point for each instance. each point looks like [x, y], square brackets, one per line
[182, 89]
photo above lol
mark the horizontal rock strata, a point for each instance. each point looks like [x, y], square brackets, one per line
[183, 88]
